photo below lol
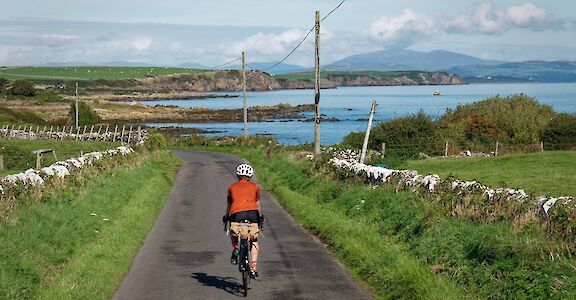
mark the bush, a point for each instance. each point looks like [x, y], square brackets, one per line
[21, 88]
[560, 133]
[406, 136]
[156, 141]
[48, 96]
[86, 115]
[17, 159]
[516, 119]
[3, 83]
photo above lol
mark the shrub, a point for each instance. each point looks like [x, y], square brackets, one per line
[86, 115]
[17, 159]
[516, 119]
[48, 96]
[3, 83]
[21, 88]
[156, 141]
[406, 136]
[560, 133]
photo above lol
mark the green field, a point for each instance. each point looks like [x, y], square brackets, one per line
[549, 173]
[63, 149]
[85, 73]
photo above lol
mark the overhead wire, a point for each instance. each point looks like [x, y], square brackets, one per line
[225, 64]
[303, 39]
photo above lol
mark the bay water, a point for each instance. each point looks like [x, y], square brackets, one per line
[351, 105]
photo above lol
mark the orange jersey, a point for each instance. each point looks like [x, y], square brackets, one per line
[243, 195]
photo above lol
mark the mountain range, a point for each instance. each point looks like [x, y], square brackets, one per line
[469, 68]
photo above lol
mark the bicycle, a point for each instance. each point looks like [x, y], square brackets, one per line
[244, 260]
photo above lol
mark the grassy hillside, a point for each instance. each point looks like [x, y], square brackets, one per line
[85, 73]
[8, 116]
[541, 173]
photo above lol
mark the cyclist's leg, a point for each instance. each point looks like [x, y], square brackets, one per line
[254, 253]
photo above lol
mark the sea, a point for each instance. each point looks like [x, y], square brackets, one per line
[351, 105]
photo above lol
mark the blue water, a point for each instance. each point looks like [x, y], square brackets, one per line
[350, 104]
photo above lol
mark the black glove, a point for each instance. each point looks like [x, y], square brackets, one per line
[225, 218]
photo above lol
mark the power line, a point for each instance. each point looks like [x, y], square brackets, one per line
[302, 41]
[335, 8]
[225, 64]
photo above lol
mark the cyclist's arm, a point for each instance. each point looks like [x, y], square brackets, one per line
[228, 202]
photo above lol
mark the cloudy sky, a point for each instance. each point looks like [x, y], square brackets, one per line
[171, 32]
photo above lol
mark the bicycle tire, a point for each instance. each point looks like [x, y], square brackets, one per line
[245, 281]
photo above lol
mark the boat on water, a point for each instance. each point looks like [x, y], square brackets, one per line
[437, 93]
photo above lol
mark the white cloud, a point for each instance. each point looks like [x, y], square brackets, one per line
[142, 44]
[267, 43]
[485, 18]
[403, 30]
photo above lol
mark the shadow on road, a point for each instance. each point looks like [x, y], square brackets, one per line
[224, 283]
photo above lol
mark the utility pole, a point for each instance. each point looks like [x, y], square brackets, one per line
[317, 87]
[367, 136]
[244, 88]
[76, 105]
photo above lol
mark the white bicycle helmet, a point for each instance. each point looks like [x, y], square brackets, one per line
[244, 170]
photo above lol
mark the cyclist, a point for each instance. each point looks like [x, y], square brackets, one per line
[243, 203]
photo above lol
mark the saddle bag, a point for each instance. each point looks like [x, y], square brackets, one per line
[245, 230]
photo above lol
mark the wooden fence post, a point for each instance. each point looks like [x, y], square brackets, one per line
[446, 149]
[115, 132]
[1, 162]
[496, 152]
[129, 135]
[383, 149]
[542, 146]
[123, 130]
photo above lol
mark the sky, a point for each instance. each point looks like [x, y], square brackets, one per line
[174, 32]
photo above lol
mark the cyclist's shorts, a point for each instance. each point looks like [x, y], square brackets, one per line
[248, 215]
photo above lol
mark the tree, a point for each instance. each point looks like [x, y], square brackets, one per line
[86, 115]
[21, 88]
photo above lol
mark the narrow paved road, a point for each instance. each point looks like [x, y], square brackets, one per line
[186, 255]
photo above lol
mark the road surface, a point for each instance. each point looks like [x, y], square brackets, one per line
[186, 254]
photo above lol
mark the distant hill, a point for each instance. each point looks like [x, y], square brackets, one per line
[192, 65]
[279, 69]
[402, 60]
[528, 71]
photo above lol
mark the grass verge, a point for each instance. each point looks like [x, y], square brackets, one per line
[57, 249]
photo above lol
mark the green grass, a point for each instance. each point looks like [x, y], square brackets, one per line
[63, 149]
[55, 249]
[85, 73]
[8, 116]
[409, 246]
[548, 173]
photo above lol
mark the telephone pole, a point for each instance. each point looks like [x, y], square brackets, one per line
[317, 87]
[76, 105]
[244, 89]
[367, 136]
